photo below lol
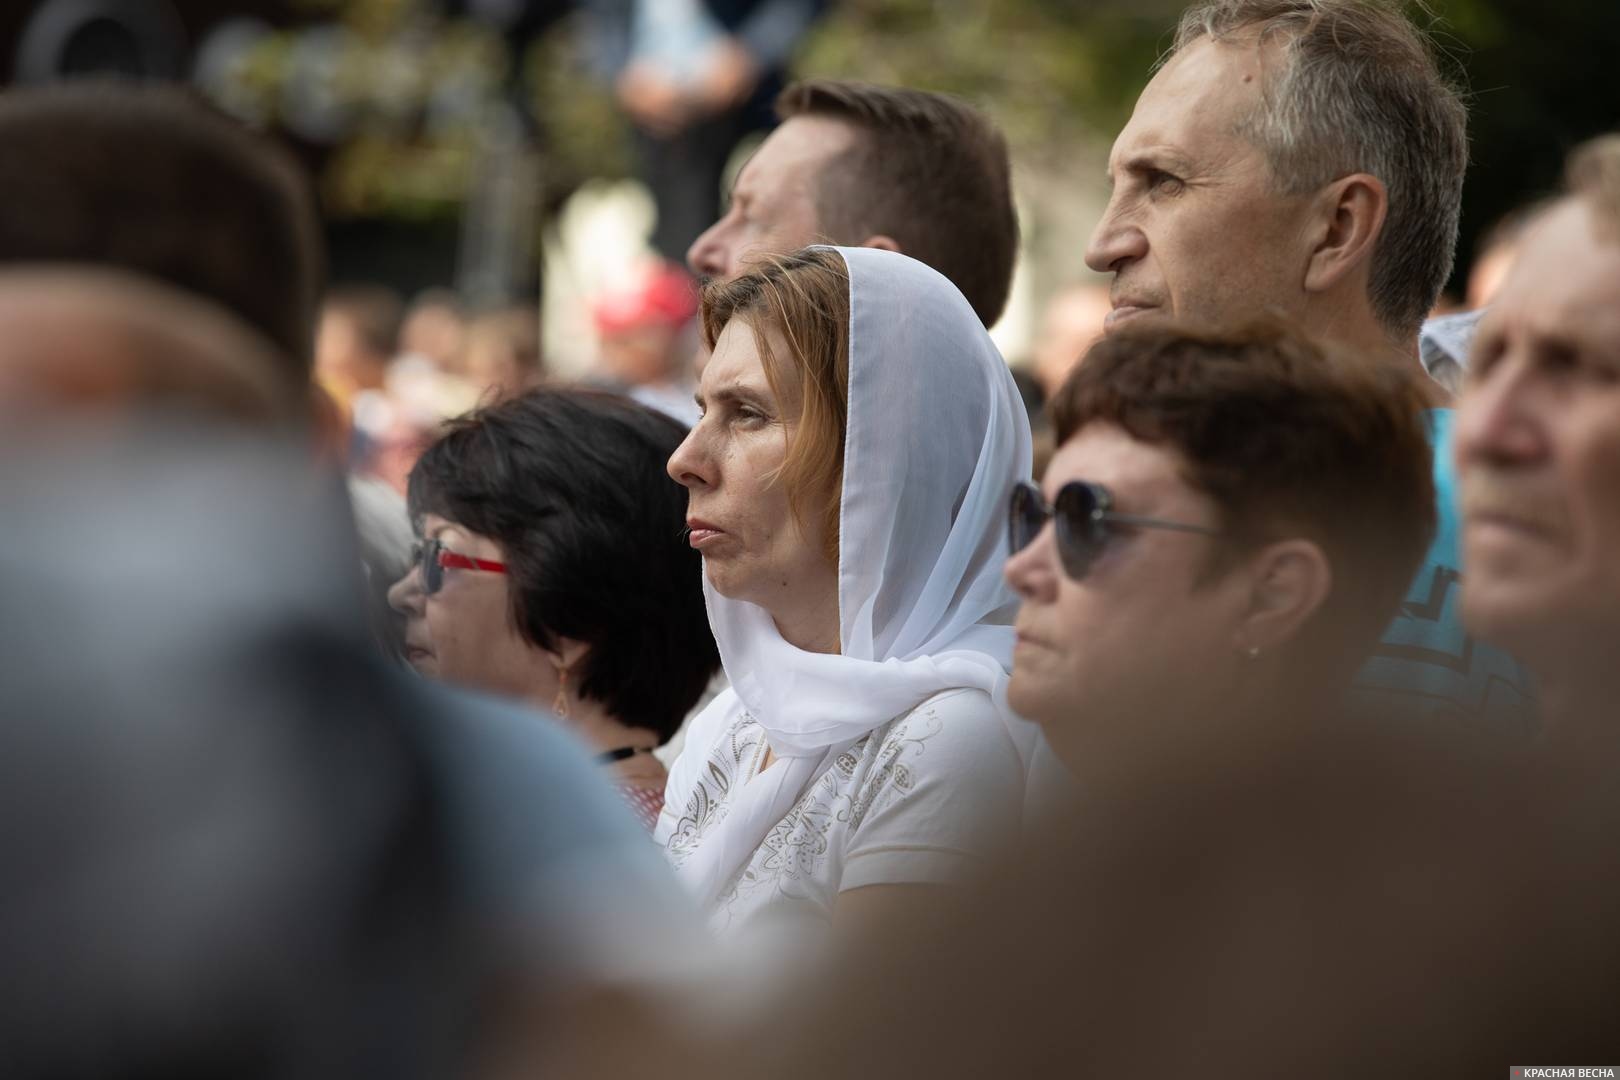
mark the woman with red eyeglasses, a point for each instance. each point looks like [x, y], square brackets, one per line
[551, 566]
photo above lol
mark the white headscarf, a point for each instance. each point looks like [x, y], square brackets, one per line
[936, 437]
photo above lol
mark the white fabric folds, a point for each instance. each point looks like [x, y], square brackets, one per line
[937, 436]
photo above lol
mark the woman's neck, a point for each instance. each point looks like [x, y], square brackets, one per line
[601, 730]
[811, 626]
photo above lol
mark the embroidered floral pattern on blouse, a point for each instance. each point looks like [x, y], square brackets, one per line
[858, 782]
[711, 798]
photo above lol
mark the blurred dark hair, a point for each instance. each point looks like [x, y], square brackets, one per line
[928, 170]
[151, 179]
[572, 485]
[1287, 438]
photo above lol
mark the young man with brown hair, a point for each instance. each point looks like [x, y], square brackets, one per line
[875, 166]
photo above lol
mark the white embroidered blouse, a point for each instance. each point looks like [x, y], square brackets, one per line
[919, 800]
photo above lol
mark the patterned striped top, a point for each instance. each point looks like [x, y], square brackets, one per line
[645, 802]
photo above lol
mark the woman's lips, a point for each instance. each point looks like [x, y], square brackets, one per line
[701, 533]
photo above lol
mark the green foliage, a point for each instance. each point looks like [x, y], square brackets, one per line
[582, 131]
[1048, 72]
[1058, 75]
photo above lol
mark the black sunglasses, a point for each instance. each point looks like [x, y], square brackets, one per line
[431, 557]
[1084, 519]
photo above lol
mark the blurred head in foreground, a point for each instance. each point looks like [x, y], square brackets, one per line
[150, 179]
[233, 853]
[1538, 446]
[76, 338]
[1229, 517]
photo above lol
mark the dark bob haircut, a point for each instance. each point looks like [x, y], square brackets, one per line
[571, 485]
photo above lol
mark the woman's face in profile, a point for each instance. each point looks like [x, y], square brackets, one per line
[737, 514]
[1143, 628]
[463, 633]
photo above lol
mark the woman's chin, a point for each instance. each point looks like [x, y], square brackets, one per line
[724, 580]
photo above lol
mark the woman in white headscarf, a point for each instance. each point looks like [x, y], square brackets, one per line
[847, 488]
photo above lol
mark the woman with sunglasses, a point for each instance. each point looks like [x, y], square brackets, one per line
[1228, 523]
[551, 566]
[847, 489]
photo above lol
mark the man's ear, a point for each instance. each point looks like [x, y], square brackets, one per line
[882, 241]
[1289, 581]
[1349, 221]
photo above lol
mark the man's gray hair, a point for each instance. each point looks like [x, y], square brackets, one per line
[1360, 91]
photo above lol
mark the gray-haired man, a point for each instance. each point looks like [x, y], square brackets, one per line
[1306, 158]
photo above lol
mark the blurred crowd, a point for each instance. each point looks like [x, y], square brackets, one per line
[1227, 687]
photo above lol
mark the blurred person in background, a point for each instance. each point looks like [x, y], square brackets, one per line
[1538, 459]
[1496, 254]
[1447, 338]
[874, 166]
[435, 329]
[1245, 183]
[1040, 427]
[1182, 554]
[552, 568]
[357, 338]
[502, 359]
[694, 77]
[1072, 321]
[646, 338]
[847, 486]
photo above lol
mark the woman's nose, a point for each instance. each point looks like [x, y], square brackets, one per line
[1032, 572]
[405, 595]
[687, 465]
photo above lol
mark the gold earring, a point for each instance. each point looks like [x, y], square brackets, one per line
[560, 704]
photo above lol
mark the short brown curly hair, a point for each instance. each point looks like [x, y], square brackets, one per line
[1287, 437]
